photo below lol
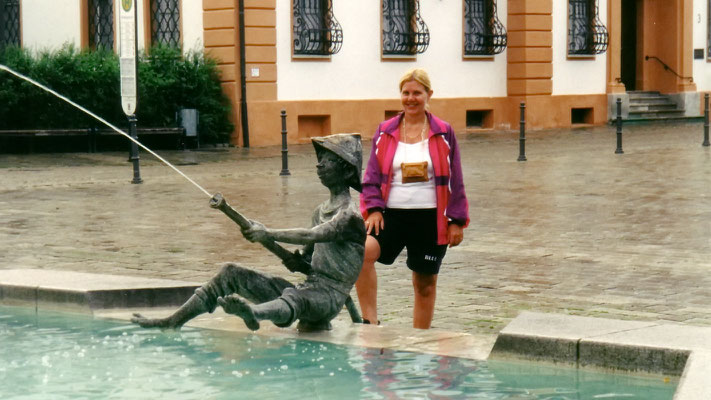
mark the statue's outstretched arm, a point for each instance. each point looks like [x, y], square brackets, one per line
[326, 232]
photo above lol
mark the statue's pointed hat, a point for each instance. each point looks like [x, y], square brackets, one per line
[346, 146]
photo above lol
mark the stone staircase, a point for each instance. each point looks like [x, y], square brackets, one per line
[653, 106]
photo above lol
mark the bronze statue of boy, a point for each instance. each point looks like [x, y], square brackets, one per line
[331, 256]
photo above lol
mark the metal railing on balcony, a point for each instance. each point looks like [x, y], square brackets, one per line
[586, 33]
[404, 31]
[9, 23]
[316, 30]
[484, 34]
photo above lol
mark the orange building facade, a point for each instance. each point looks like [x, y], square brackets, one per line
[663, 29]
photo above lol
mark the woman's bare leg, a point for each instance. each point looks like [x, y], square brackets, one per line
[425, 294]
[367, 283]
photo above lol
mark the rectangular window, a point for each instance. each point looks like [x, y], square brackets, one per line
[580, 116]
[586, 34]
[9, 23]
[404, 32]
[165, 22]
[579, 27]
[316, 30]
[480, 119]
[101, 24]
[484, 34]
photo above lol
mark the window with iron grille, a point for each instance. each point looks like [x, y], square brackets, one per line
[316, 30]
[484, 34]
[586, 33]
[9, 23]
[404, 32]
[165, 22]
[101, 24]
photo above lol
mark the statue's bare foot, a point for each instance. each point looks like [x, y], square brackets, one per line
[162, 323]
[233, 304]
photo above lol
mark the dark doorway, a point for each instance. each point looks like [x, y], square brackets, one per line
[628, 56]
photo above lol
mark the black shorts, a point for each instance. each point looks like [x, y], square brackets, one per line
[415, 230]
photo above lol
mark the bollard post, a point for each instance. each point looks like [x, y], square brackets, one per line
[522, 134]
[619, 127]
[706, 120]
[92, 139]
[284, 148]
[134, 149]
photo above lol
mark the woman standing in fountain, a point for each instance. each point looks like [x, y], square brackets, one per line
[413, 197]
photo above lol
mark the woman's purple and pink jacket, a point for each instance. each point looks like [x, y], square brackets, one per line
[452, 202]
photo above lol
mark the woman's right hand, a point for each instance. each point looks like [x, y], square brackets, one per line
[374, 222]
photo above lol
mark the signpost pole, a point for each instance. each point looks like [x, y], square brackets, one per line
[128, 64]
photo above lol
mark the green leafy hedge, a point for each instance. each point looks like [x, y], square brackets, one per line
[168, 81]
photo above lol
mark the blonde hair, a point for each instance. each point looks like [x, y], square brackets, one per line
[418, 75]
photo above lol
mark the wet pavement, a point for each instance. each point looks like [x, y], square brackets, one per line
[575, 230]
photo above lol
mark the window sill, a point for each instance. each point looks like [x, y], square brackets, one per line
[310, 57]
[581, 126]
[581, 56]
[475, 129]
[398, 57]
[472, 57]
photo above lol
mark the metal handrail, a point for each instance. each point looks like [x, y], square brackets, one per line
[668, 68]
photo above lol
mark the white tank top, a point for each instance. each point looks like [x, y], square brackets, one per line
[415, 194]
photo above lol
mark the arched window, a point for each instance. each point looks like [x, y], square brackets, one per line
[165, 22]
[404, 31]
[9, 23]
[101, 24]
[316, 30]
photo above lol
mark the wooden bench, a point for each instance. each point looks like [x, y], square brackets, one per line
[92, 135]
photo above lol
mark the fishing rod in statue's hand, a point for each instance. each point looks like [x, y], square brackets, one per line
[294, 262]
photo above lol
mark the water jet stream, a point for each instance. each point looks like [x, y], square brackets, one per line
[41, 86]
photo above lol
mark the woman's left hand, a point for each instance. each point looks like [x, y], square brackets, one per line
[455, 234]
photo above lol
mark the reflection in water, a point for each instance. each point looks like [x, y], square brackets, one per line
[397, 375]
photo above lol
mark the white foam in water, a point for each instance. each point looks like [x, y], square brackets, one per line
[103, 121]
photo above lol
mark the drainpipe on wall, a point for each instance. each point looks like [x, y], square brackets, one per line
[243, 78]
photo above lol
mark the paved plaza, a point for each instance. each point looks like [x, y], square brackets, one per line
[575, 230]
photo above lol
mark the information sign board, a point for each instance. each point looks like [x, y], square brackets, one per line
[127, 56]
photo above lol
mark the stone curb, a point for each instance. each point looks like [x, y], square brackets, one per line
[630, 346]
[85, 292]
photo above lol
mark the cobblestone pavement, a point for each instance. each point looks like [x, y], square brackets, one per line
[576, 229]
